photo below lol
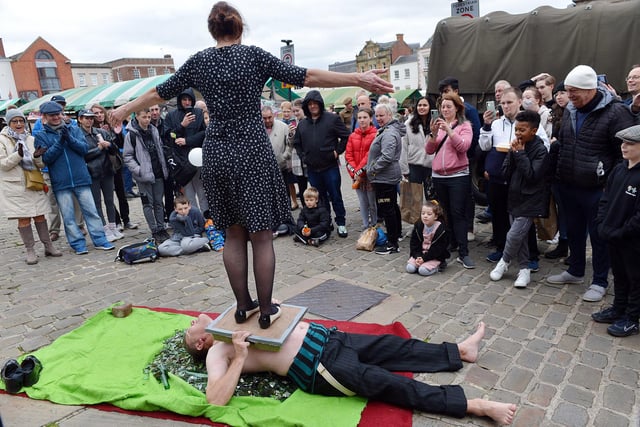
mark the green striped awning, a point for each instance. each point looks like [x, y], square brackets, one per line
[5, 103]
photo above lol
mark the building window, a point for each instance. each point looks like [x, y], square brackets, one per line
[47, 72]
[407, 73]
[136, 73]
[94, 79]
[82, 81]
[151, 71]
[105, 78]
[396, 75]
[167, 71]
[119, 75]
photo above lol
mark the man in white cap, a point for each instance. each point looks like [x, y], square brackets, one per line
[588, 151]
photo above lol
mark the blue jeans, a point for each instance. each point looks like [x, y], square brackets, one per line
[128, 179]
[328, 184]
[581, 208]
[88, 207]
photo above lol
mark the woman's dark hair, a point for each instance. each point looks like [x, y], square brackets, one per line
[416, 120]
[225, 22]
[369, 111]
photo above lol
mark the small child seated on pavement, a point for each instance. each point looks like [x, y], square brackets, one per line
[188, 226]
[314, 222]
[429, 241]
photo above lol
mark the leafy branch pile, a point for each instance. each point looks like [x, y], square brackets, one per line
[174, 359]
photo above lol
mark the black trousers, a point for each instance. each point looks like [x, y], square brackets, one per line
[624, 258]
[364, 365]
[388, 209]
[122, 213]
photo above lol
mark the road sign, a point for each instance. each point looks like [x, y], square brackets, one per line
[287, 54]
[468, 8]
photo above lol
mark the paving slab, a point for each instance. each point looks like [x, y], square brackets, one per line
[541, 350]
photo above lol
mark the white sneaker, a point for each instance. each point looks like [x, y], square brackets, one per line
[501, 267]
[108, 233]
[595, 293]
[524, 278]
[565, 278]
[116, 233]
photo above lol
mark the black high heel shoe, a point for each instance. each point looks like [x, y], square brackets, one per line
[12, 376]
[266, 320]
[242, 315]
[31, 368]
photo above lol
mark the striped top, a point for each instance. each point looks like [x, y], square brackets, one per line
[303, 368]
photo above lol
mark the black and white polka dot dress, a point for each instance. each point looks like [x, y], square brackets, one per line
[241, 176]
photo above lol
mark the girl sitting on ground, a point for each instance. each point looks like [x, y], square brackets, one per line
[429, 241]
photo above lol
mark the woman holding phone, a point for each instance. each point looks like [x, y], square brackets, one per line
[449, 140]
[414, 160]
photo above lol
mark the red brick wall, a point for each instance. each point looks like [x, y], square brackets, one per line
[25, 71]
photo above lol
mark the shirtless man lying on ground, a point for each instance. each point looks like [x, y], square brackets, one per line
[333, 363]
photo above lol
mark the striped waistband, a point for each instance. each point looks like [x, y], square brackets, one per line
[305, 364]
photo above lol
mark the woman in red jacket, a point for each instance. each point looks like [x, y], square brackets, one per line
[356, 156]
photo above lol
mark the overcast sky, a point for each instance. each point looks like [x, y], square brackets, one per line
[323, 31]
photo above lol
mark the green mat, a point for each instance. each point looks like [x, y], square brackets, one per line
[104, 360]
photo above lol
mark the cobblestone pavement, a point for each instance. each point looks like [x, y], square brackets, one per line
[541, 351]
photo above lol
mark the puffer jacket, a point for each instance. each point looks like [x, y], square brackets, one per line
[529, 187]
[65, 160]
[357, 151]
[586, 158]
[414, 149]
[383, 166]
[452, 156]
[15, 200]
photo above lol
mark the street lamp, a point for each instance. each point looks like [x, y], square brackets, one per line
[287, 42]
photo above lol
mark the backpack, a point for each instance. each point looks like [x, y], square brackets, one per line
[138, 252]
[180, 169]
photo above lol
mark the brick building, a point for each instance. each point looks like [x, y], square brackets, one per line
[40, 69]
[381, 55]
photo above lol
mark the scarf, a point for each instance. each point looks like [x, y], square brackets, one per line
[21, 140]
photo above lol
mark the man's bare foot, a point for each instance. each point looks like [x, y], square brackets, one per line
[469, 348]
[502, 413]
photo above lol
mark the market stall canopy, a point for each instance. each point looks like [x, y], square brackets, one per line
[276, 90]
[6, 103]
[109, 95]
[333, 96]
[406, 97]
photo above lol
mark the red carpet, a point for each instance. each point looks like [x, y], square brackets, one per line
[375, 414]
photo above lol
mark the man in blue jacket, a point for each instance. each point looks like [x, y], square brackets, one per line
[64, 156]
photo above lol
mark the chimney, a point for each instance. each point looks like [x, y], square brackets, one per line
[2, 54]
[400, 37]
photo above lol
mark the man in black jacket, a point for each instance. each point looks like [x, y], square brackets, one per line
[588, 151]
[185, 127]
[320, 138]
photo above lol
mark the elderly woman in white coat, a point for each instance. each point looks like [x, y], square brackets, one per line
[17, 154]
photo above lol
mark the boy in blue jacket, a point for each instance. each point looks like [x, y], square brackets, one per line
[618, 223]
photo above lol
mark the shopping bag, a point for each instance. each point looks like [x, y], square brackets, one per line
[411, 196]
[548, 227]
[367, 239]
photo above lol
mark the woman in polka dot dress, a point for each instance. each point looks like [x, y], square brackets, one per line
[246, 192]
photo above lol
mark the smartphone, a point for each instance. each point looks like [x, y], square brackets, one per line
[602, 78]
[434, 115]
[188, 110]
[491, 106]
